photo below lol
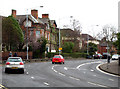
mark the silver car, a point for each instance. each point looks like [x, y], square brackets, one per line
[115, 57]
[14, 64]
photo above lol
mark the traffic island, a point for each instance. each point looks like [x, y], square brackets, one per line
[112, 68]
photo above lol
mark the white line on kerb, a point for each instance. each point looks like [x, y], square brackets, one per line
[46, 83]
[105, 72]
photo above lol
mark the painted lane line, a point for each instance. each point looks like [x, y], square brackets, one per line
[46, 83]
[92, 83]
[111, 79]
[86, 64]
[105, 72]
[73, 78]
[27, 73]
[96, 84]
[61, 74]
[65, 68]
[91, 70]
[32, 78]
[94, 75]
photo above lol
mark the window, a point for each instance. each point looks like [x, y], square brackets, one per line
[27, 23]
[31, 33]
[38, 34]
[48, 36]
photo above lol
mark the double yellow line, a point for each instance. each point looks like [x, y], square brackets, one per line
[2, 87]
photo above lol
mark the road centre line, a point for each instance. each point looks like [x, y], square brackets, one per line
[84, 72]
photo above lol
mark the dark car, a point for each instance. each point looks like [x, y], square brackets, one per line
[88, 57]
[105, 55]
[97, 56]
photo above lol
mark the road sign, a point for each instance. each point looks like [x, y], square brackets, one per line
[60, 48]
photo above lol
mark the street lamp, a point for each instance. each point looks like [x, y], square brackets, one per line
[27, 31]
[60, 35]
[88, 40]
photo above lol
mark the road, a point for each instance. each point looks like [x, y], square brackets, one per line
[74, 73]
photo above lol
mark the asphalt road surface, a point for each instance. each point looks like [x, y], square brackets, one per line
[74, 73]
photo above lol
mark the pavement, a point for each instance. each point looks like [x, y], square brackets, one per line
[112, 68]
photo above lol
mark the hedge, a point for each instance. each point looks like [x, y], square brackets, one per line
[73, 55]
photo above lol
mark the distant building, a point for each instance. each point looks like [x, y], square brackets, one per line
[69, 35]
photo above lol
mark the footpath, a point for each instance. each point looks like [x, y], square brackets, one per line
[112, 68]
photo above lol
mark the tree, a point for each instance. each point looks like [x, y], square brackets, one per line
[68, 47]
[117, 42]
[92, 48]
[12, 33]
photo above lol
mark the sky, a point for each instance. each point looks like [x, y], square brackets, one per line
[92, 14]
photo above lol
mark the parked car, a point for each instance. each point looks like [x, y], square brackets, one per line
[58, 59]
[14, 64]
[105, 55]
[97, 56]
[115, 57]
[88, 57]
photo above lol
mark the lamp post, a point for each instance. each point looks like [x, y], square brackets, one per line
[88, 39]
[27, 32]
[60, 35]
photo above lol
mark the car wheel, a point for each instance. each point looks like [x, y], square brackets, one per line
[6, 70]
[52, 62]
[22, 71]
[63, 63]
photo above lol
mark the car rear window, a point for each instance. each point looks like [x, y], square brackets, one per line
[56, 56]
[14, 60]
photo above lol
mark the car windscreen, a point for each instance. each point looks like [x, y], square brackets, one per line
[115, 55]
[14, 60]
[56, 56]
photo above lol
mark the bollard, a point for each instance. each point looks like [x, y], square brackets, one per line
[119, 61]
[108, 59]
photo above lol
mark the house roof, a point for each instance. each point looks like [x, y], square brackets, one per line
[85, 37]
[69, 33]
[21, 18]
[46, 21]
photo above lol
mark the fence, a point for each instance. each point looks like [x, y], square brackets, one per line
[23, 55]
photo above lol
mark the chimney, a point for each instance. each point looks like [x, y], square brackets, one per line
[34, 13]
[14, 13]
[45, 15]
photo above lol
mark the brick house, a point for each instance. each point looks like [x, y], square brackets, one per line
[86, 38]
[37, 27]
[69, 35]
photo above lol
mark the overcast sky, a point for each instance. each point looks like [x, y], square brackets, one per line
[89, 12]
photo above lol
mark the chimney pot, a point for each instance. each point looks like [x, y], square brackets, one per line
[14, 13]
[34, 13]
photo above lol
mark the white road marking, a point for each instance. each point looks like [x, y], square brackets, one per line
[94, 75]
[111, 79]
[65, 68]
[105, 72]
[27, 73]
[61, 74]
[46, 83]
[84, 72]
[97, 84]
[73, 78]
[92, 83]
[32, 78]
[91, 70]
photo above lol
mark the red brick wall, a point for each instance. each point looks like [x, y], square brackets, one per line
[5, 55]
